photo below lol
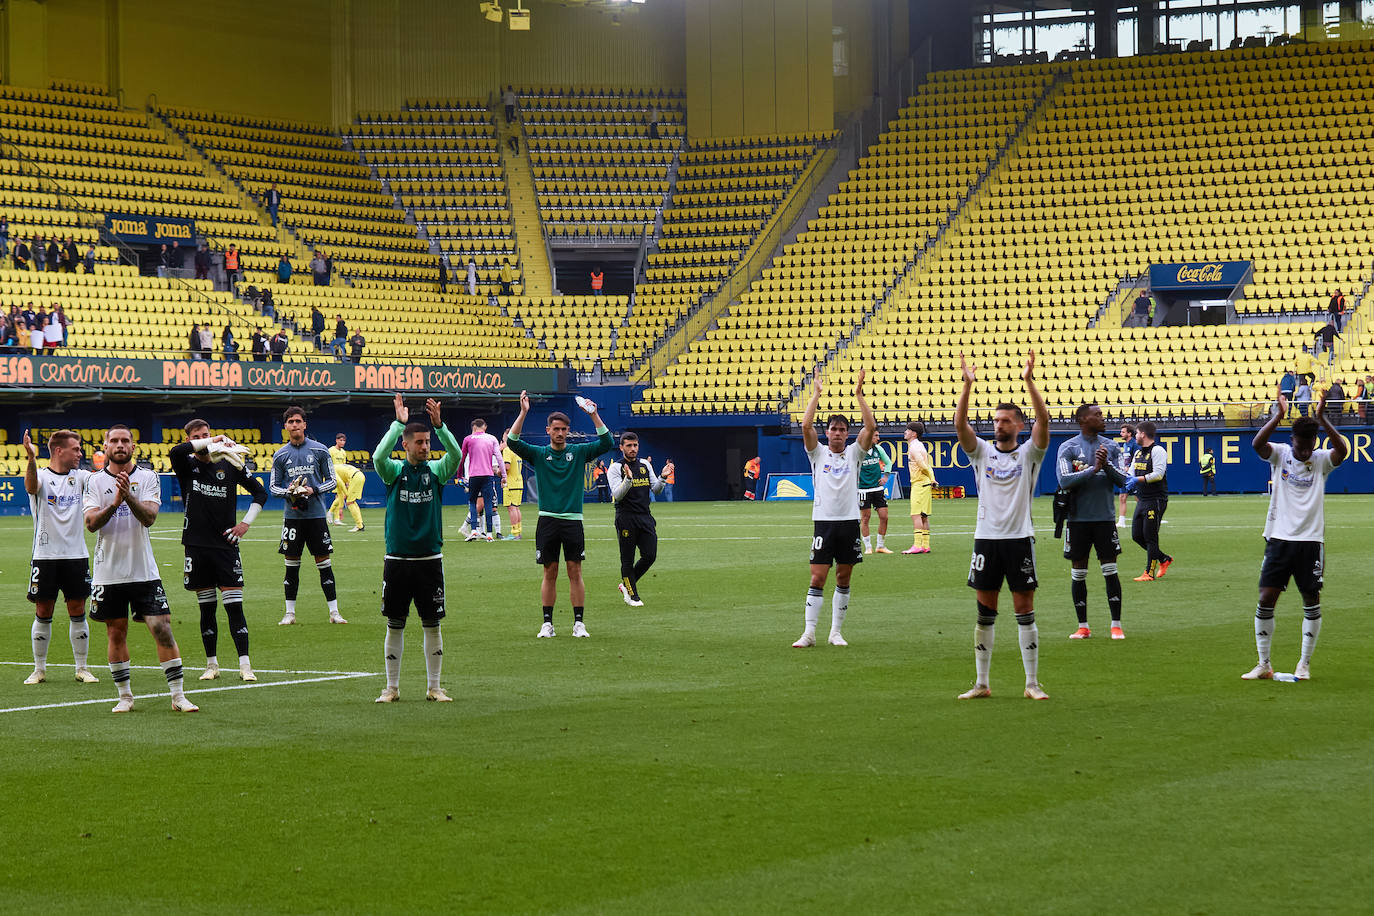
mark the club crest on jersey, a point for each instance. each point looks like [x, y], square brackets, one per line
[219, 475]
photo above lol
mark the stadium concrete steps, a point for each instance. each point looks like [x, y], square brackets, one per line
[536, 270]
[795, 402]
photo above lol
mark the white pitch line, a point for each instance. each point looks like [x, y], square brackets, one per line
[153, 696]
[189, 668]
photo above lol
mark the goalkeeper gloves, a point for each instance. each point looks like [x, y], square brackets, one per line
[227, 450]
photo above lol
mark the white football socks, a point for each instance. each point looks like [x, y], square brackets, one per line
[40, 634]
[172, 669]
[868, 543]
[1311, 629]
[434, 656]
[814, 600]
[1029, 637]
[984, 635]
[839, 606]
[1264, 632]
[119, 673]
[882, 540]
[394, 646]
[80, 634]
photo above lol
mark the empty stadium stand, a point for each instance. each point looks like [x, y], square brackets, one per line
[440, 158]
[597, 171]
[726, 190]
[330, 200]
[1077, 176]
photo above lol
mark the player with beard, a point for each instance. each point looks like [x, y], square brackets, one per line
[120, 504]
[59, 550]
[1294, 530]
[210, 472]
[632, 479]
[301, 471]
[1004, 535]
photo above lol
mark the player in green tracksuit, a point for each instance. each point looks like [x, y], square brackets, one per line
[413, 571]
[560, 470]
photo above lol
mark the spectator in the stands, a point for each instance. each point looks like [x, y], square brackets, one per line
[273, 202]
[54, 332]
[164, 261]
[340, 336]
[1335, 309]
[507, 277]
[54, 255]
[318, 270]
[202, 262]
[279, 345]
[598, 281]
[231, 267]
[1335, 401]
[655, 117]
[9, 333]
[228, 345]
[40, 252]
[38, 330]
[70, 256]
[207, 342]
[1302, 396]
[193, 344]
[283, 270]
[1326, 339]
[62, 318]
[4, 236]
[443, 272]
[29, 316]
[317, 325]
[356, 343]
[472, 277]
[267, 304]
[328, 267]
[21, 255]
[509, 100]
[1363, 393]
[258, 344]
[90, 259]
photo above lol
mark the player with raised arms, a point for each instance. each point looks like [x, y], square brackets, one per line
[559, 469]
[301, 471]
[1004, 535]
[1294, 529]
[835, 534]
[210, 471]
[60, 557]
[120, 504]
[413, 570]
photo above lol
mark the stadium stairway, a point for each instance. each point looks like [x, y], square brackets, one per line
[301, 253]
[524, 205]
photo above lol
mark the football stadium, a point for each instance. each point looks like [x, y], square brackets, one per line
[308, 307]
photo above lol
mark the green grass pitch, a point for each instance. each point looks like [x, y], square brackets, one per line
[685, 759]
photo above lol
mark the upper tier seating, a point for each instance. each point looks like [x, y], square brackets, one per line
[860, 244]
[597, 171]
[329, 199]
[440, 159]
[725, 192]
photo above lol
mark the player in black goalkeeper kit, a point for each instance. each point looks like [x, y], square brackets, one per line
[210, 472]
[631, 480]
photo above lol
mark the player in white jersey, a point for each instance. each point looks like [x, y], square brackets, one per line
[1004, 536]
[59, 550]
[1294, 530]
[834, 511]
[121, 504]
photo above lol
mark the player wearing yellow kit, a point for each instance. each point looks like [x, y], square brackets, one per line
[922, 484]
[515, 488]
[349, 489]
